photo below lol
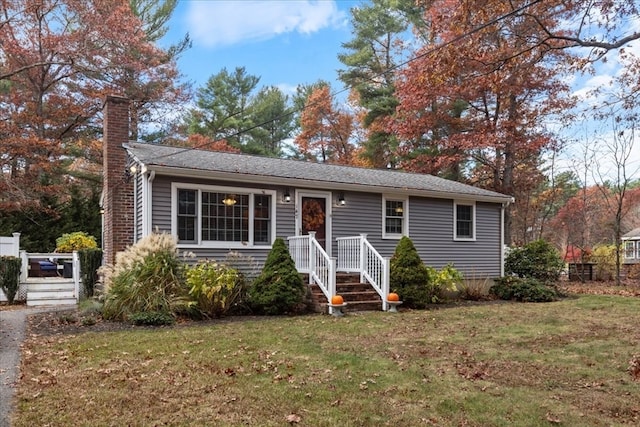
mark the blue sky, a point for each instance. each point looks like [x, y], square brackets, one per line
[292, 42]
[285, 43]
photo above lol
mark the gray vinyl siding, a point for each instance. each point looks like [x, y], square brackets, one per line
[161, 218]
[430, 227]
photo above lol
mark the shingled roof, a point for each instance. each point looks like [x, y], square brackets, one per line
[186, 161]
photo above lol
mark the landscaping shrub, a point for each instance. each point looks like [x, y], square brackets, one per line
[409, 277]
[10, 276]
[214, 288]
[152, 318]
[146, 278]
[604, 258]
[475, 287]
[448, 279]
[75, 241]
[523, 289]
[90, 262]
[279, 289]
[537, 259]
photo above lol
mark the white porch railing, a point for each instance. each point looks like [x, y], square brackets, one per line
[356, 254]
[310, 258]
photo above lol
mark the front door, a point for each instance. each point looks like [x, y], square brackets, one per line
[314, 215]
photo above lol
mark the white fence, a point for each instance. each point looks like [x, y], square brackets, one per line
[10, 246]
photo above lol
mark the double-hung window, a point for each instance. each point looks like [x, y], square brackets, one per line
[464, 221]
[630, 250]
[394, 217]
[218, 216]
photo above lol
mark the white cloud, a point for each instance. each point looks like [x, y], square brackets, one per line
[226, 22]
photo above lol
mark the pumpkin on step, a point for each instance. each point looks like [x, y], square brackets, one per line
[337, 300]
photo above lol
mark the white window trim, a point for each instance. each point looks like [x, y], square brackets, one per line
[405, 216]
[474, 223]
[175, 186]
[635, 249]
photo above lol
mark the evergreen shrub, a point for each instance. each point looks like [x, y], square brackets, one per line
[410, 278]
[90, 262]
[523, 289]
[538, 260]
[279, 289]
[152, 318]
[10, 276]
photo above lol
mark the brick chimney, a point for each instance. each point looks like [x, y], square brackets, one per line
[117, 191]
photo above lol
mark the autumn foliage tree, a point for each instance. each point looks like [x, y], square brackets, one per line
[325, 130]
[473, 102]
[58, 60]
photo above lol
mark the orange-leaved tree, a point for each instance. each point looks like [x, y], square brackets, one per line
[473, 101]
[325, 130]
[58, 59]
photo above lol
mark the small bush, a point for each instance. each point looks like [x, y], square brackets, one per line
[75, 241]
[523, 289]
[90, 307]
[214, 288]
[475, 289]
[604, 258]
[152, 318]
[90, 262]
[410, 278]
[147, 277]
[538, 260]
[448, 279]
[10, 276]
[279, 289]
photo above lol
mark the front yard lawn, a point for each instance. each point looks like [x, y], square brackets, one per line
[568, 363]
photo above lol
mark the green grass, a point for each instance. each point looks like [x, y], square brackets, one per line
[562, 363]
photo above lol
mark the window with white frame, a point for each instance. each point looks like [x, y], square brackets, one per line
[464, 221]
[394, 214]
[630, 249]
[211, 216]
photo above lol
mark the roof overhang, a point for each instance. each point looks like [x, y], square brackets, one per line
[297, 182]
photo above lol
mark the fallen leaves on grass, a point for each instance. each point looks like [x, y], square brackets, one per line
[293, 418]
[634, 367]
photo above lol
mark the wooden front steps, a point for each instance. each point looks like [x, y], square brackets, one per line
[50, 291]
[358, 296]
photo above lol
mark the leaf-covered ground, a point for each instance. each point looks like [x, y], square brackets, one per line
[571, 362]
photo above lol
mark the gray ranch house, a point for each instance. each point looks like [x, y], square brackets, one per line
[334, 218]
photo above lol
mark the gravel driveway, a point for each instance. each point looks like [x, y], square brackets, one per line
[13, 324]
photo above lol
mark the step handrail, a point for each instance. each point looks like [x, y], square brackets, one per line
[357, 254]
[309, 257]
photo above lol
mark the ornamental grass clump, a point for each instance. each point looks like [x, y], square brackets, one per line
[279, 289]
[146, 278]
